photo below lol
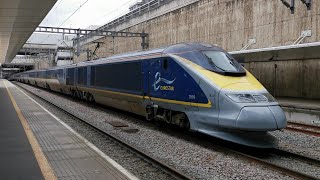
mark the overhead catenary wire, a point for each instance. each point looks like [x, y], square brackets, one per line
[117, 9]
[67, 18]
[73, 13]
[53, 10]
[57, 5]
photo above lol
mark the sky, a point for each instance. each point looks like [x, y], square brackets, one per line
[90, 12]
[79, 14]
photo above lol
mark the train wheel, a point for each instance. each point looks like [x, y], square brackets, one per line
[90, 98]
[77, 95]
[73, 94]
[185, 123]
[48, 87]
[83, 95]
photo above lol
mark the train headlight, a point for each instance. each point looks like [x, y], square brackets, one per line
[269, 97]
[251, 98]
[242, 98]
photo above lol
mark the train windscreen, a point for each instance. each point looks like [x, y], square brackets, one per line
[216, 61]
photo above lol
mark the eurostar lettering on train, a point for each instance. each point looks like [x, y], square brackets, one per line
[167, 88]
[196, 86]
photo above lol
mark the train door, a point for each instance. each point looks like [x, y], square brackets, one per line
[154, 71]
[146, 68]
[70, 76]
[88, 69]
[76, 69]
[162, 80]
[64, 76]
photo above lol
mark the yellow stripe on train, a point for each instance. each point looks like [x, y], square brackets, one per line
[248, 82]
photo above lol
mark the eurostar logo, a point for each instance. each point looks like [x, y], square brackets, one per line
[158, 79]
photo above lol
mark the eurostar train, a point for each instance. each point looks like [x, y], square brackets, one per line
[197, 86]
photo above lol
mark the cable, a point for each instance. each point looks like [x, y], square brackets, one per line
[73, 13]
[110, 12]
[67, 19]
[56, 6]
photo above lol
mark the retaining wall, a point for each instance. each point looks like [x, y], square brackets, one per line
[230, 24]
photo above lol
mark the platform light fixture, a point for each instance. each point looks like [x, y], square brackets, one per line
[251, 42]
[304, 34]
[307, 3]
[291, 5]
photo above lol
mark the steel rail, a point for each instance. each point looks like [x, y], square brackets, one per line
[179, 175]
[165, 167]
[294, 155]
[281, 169]
[304, 128]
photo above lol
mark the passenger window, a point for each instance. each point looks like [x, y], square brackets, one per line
[165, 64]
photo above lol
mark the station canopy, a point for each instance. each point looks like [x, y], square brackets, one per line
[18, 20]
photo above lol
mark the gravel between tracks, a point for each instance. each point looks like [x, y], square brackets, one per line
[195, 160]
[299, 143]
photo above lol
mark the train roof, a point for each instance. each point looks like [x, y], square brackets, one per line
[175, 48]
[169, 49]
[190, 46]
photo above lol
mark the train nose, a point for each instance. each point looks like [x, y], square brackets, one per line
[261, 118]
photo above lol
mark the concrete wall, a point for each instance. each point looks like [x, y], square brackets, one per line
[291, 71]
[298, 78]
[230, 24]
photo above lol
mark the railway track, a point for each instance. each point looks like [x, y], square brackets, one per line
[279, 160]
[148, 163]
[283, 160]
[304, 128]
[264, 157]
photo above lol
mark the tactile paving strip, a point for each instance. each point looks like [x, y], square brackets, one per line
[69, 156]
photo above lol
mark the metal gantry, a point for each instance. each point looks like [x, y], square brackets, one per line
[83, 35]
[80, 40]
[8, 69]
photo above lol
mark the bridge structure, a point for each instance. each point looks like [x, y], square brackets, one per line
[19, 19]
[7, 69]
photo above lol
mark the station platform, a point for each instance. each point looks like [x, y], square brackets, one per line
[35, 144]
[300, 103]
[306, 111]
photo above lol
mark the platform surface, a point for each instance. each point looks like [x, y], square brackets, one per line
[17, 158]
[70, 156]
[299, 103]
[299, 110]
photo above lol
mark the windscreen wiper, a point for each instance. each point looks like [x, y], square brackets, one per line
[211, 62]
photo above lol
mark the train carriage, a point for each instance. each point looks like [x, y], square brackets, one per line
[193, 85]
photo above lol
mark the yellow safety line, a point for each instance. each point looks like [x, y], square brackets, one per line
[41, 159]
